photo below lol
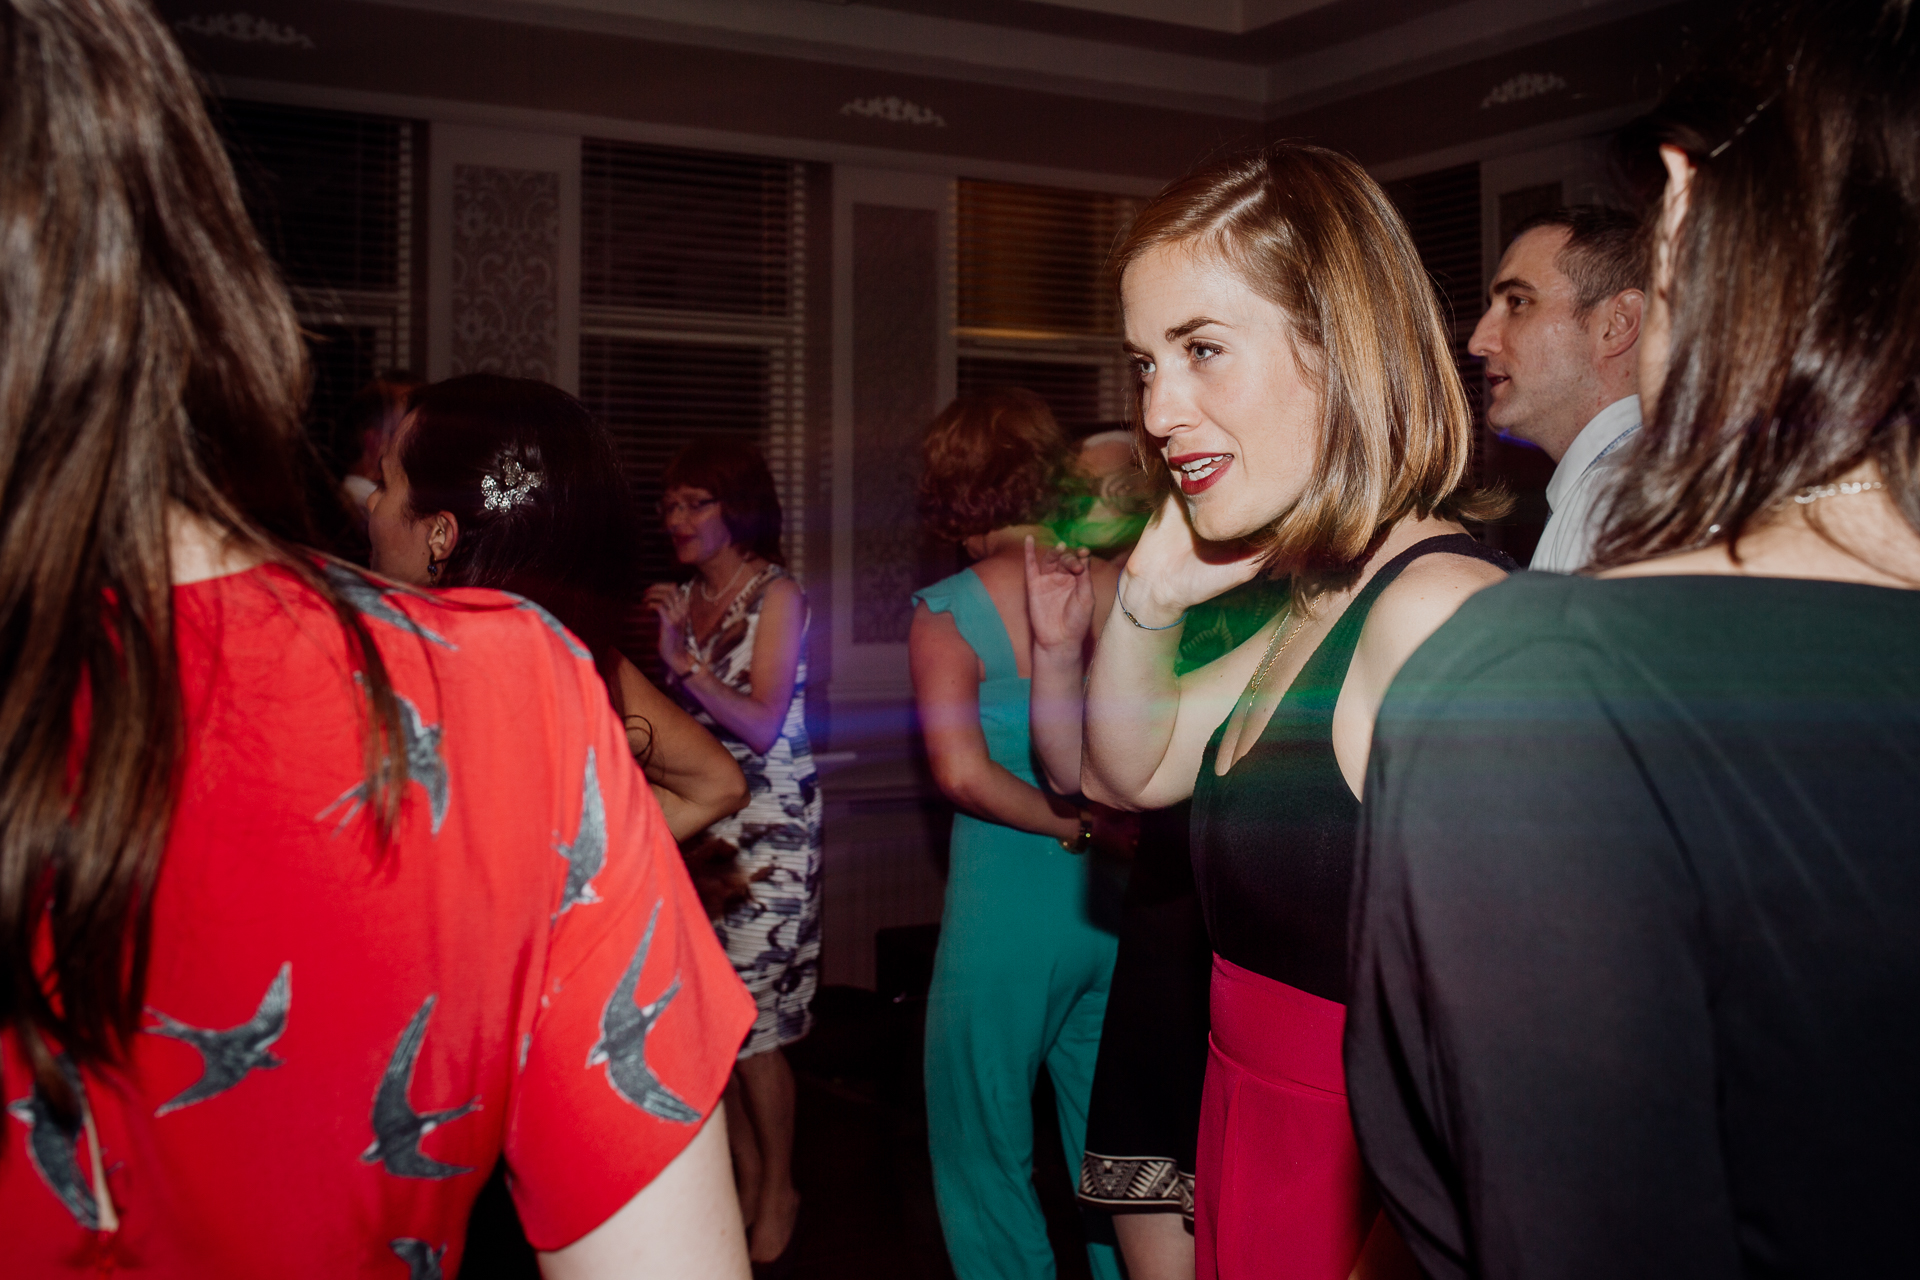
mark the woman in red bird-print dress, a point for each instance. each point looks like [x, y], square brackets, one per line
[317, 895]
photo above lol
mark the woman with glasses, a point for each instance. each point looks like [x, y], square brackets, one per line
[733, 638]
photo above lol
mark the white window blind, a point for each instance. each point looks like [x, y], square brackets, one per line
[693, 316]
[1034, 307]
[333, 196]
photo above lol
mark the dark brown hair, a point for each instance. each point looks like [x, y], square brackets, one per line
[1795, 277]
[736, 473]
[563, 537]
[149, 363]
[1310, 232]
[1603, 256]
[990, 461]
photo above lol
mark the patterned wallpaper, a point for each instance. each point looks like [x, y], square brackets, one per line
[506, 260]
[895, 327]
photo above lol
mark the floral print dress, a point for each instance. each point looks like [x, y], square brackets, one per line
[773, 938]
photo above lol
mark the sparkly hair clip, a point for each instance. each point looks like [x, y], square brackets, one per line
[515, 486]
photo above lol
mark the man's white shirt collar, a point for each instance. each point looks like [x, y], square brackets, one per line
[1608, 427]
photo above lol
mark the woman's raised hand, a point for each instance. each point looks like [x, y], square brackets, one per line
[1059, 596]
[1172, 569]
[670, 604]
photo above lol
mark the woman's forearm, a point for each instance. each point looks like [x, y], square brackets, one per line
[688, 815]
[694, 777]
[753, 722]
[697, 785]
[991, 791]
[1058, 693]
[1132, 703]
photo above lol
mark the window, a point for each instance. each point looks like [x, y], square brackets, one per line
[1034, 307]
[333, 196]
[1442, 210]
[693, 316]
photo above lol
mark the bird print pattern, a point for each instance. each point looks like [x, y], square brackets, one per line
[624, 1028]
[422, 1259]
[554, 625]
[425, 765]
[773, 937]
[369, 598]
[227, 1056]
[397, 1127]
[588, 852]
[53, 1146]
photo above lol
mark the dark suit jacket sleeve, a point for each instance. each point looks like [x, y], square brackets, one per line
[1529, 1051]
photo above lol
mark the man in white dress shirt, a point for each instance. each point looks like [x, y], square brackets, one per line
[1560, 342]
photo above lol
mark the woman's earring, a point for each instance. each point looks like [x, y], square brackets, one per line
[433, 570]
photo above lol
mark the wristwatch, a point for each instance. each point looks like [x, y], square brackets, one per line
[1084, 841]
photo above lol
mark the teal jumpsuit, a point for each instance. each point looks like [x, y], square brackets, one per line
[1020, 979]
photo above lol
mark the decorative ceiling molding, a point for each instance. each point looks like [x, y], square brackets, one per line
[1528, 84]
[243, 28]
[893, 110]
[1235, 16]
[885, 40]
[894, 151]
[1459, 34]
[608, 66]
[982, 52]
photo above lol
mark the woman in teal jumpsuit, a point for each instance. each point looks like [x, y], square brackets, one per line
[1021, 976]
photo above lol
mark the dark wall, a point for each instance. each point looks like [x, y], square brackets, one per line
[389, 49]
[1610, 67]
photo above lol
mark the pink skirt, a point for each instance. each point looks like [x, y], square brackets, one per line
[1279, 1190]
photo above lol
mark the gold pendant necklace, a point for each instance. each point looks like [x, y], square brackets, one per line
[1275, 647]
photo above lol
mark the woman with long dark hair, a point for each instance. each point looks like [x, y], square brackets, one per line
[315, 896]
[734, 638]
[1636, 989]
[1300, 409]
[510, 483]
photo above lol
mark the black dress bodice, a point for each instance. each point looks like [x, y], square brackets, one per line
[1273, 839]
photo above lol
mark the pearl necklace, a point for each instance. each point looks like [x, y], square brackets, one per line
[1814, 492]
[710, 599]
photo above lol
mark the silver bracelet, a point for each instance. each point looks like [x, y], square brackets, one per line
[1128, 614]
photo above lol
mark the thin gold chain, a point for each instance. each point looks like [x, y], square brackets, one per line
[1275, 648]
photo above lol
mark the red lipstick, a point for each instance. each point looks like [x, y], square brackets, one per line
[1198, 472]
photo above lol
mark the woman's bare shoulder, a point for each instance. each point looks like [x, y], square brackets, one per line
[1443, 573]
[783, 590]
[1005, 578]
[998, 572]
[1413, 606]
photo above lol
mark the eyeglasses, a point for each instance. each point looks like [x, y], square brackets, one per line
[671, 507]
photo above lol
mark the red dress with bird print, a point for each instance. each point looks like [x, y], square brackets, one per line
[341, 1039]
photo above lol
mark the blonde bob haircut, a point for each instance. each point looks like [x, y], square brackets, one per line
[1309, 231]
